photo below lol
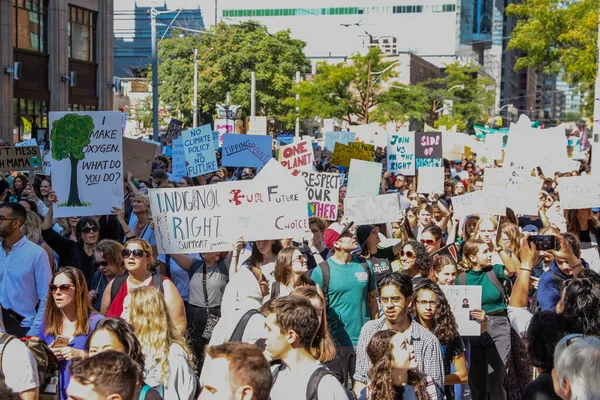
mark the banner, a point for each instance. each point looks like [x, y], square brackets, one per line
[428, 149]
[297, 156]
[173, 130]
[331, 138]
[467, 204]
[87, 162]
[211, 218]
[462, 300]
[199, 151]
[322, 190]
[224, 126]
[257, 126]
[578, 192]
[138, 157]
[401, 153]
[20, 158]
[246, 150]
[430, 180]
[364, 178]
[178, 169]
[494, 191]
[30, 142]
[373, 209]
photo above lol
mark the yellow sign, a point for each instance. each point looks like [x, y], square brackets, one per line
[342, 155]
[364, 150]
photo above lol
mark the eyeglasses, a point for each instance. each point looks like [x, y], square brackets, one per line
[63, 288]
[424, 303]
[396, 300]
[100, 263]
[89, 229]
[428, 242]
[569, 338]
[3, 218]
[315, 230]
[408, 254]
[137, 253]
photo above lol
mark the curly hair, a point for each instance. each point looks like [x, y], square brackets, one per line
[155, 329]
[381, 353]
[423, 260]
[444, 325]
[126, 335]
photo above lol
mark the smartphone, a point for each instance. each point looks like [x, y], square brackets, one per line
[61, 341]
[544, 242]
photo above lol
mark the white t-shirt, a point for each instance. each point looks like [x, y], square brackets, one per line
[293, 386]
[19, 367]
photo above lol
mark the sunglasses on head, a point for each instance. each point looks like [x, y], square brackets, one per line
[63, 288]
[137, 253]
[89, 229]
[407, 253]
[100, 263]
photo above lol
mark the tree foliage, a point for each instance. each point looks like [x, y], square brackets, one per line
[227, 55]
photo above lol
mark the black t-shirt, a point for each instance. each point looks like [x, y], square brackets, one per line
[382, 262]
[529, 225]
[542, 388]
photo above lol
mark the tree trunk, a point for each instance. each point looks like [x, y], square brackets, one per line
[73, 200]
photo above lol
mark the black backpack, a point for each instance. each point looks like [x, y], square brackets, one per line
[238, 332]
[312, 389]
[120, 280]
[327, 277]
[504, 290]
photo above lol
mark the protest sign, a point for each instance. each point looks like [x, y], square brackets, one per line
[401, 153]
[178, 169]
[451, 251]
[297, 156]
[217, 140]
[246, 150]
[173, 130]
[494, 191]
[462, 300]
[365, 150]
[467, 204]
[225, 126]
[284, 138]
[578, 192]
[428, 149]
[46, 163]
[87, 162]
[257, 126]
[494, 144]
[364, 178]
[341, 155]
[20, 158]
[199, 151]
[210, 218]
[138, 157]
[522, 189]
[331, 138]
[373, 209]
[30, 142]
[322, 190]
[430, 180]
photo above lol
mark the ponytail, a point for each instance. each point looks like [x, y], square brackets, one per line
[470, 248]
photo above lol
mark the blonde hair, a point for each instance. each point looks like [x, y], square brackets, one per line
[147, 251]
[145, 199]
[485, 218]
[514, 235]
[32, 228]
[155, 329]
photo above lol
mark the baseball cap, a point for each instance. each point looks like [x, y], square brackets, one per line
[333, 233]
[362, 234]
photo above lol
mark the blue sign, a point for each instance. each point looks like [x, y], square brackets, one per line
[246, 150]
[331, 138]
[199, 151]
[285, 138]
[178, 163]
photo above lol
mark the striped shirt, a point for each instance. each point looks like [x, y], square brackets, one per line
[427, 350]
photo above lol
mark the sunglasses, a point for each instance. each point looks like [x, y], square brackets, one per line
[137, 253]
[408, 254]
[63, 288]
[89, 229]
[428, 242]
[100, 263]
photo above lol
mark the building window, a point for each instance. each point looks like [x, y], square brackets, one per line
[79, 107]
[29, 24]
[29, 116]
[82, 34]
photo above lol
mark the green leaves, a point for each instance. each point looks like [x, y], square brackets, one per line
[70, 135]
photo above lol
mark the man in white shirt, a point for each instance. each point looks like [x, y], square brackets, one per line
[18, 366]
[292, 323]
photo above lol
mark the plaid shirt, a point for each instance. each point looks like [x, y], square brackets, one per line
[427, 350]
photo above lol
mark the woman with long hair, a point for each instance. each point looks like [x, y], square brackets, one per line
[586, 227]
[290, 272]
[263, 256]
[490, 351]
[444, 271]
[139, 264]
[431, 309]
[108, 261]
[394, 375]
[415, 261]
[68, 320]
[19, 184]
[168, 359]
[432, 238]
[32, 228]
[117, 335]
[45, 188]
[510, 237]
[68, 226]
[411, 217]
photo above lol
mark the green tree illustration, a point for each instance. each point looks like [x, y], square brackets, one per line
[70, 135]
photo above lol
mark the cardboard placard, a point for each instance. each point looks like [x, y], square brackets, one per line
[323, 191]
[224, 126]
[494, 191]
[87, 162]
[428, 149]
[341, 155]
[365, 150]
[139, 157]
[20, 158]
[451, 251]
[577, 192]
[401, 153]
[199, 151]
[364, 178]
[246, 150]
[331, 138]
[467, 204]
[430, 180]
[297, 156]
[462, 299]
[173, 130]
[257, 126]
[373, 209]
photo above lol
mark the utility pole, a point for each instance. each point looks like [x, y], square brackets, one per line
[195, 88]
[216, 11]
[297, 128]
[154, 76]
[253, 95]
[366, 119]
[596, 127]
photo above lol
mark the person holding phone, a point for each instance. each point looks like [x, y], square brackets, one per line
[68, 321]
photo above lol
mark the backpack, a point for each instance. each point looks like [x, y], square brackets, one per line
[327, 277]
[120, 280]
[238, 332]
[312, 389]
[47, 364]
[534, 305]
[505, 291]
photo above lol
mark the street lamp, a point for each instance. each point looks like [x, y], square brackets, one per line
[380, 74]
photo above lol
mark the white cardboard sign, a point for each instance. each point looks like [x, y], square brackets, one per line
[372, 209]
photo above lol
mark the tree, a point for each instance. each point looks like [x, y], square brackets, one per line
[558, 36]
[70, 135]
[402, 103]
[227, 55]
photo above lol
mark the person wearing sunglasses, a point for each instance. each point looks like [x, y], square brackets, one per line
[576, 373]
[108, 261]
[68, 320]
[139, 264]
[431, 238]
[290, 272]
[140, 224]
[416, 262]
